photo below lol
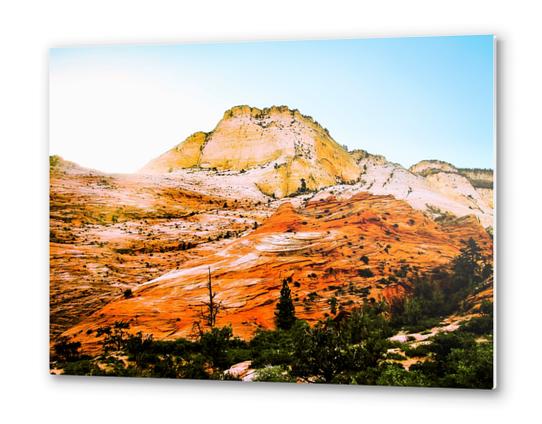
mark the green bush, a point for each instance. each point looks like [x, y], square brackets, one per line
[418, 351]
[396, 375]
[479, 325]
[470, 368]
[66, 350]
[272, 347]
[332, 351]
[275, 374]
[214, 346]
[83, 367]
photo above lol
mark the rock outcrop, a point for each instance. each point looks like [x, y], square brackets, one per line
[185, 155]
[472, 187]
[434, 187]
[428, 167]
[292, 152]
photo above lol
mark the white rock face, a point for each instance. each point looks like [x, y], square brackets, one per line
[487, 195]
[459, 188]
[446, 191]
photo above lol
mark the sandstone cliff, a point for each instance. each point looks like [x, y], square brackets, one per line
[292, 152]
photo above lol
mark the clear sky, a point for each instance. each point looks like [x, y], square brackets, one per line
[114, 108]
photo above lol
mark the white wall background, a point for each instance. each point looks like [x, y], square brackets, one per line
[28, 29]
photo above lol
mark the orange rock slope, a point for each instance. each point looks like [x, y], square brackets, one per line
[110, 233]
[345, 249]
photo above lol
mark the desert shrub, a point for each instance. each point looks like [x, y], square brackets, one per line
[167, 366]
[457, 360]
[271, 347]
[312, 296]
[66, 350]
[479, 325]
[365, 272]
[333, 305]
[332, 351]
[214, 345]
[238, 354]
[302, 186]
[194, 368]
[82, 367]
[114, 336]
[396, 375]
[443, 343]
[124, 251]
[275, 374]
[224, 376]
[54, 161]
[470, 368]
[179, 347]
[418, 351]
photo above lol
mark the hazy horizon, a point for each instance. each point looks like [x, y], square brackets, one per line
[114, 108]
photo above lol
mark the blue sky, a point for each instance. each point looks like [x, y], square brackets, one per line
[116, 107]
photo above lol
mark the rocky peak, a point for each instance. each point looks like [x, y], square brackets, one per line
[273, 112]
[281, 144]
[359, 154]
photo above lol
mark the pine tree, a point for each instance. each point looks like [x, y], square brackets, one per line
[468, 265]
[303, 187]
[285, 311]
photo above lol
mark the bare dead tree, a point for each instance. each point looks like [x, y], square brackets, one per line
[211, 306]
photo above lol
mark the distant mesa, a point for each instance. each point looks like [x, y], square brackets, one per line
[426, 167]
[478, 177]
[58, 165]
[287, 151]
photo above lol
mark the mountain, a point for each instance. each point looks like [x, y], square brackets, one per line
[280, 153]
[267, 195]
[290, 152]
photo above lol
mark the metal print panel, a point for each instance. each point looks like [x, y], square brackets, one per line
[301, 212]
